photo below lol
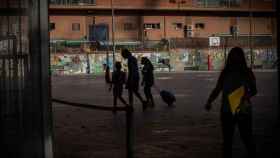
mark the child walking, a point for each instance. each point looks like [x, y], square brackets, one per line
[118, 80]
[148, 79]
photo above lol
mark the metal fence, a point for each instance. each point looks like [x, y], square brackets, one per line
[13, 70]
[180, 3]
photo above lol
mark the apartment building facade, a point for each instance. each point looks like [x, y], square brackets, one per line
[188, 34]
[132, 28]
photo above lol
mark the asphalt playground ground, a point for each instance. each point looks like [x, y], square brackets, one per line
[183, 131]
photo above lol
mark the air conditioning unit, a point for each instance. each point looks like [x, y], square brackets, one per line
[189, 27]
[190, 34]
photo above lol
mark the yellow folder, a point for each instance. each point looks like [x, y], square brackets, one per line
[235, 99]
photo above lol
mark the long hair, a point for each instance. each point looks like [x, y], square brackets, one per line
[147, 62]
[236, 61]
[118, 65]
[125, 53]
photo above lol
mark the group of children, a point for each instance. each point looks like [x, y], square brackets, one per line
[119, 79]
[235, 75]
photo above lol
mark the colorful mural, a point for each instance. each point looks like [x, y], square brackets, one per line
[176, 60]
[68, 64]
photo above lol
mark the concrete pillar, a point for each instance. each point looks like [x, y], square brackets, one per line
[37, 113]
[278, 56]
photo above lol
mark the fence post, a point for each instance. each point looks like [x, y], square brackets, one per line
[129, 132]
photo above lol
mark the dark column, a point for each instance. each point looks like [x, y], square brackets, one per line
[278, 55]
[37, 119]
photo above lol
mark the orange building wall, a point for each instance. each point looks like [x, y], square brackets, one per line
[63, 27]
[120, 33]
[171, 30]
[213, 25]
[259, 25]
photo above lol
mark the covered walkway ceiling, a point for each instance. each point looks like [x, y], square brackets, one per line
[105, 11]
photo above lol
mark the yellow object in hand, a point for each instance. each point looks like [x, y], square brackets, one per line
[235, 99]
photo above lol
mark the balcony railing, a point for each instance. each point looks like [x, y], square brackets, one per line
[218, 3]
[166, 5]
[72, 2]
[72, 47]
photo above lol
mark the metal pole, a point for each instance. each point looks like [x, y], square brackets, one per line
[225, 49]
[113, 31]
[278, 57]
[250, 36]
[129, 132]
[164, 25]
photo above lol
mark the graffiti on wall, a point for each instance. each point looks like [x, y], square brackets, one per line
[179, 60]
[68, 64]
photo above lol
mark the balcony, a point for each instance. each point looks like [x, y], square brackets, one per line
[167, 8]
[73, 2]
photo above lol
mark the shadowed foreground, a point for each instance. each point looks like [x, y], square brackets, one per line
[185, 130]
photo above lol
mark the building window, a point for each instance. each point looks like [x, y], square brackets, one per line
[199, 25]
[128, 27]
[178, 26]
[152, 26]
[75, 27]
[233, 30]
[52, 26]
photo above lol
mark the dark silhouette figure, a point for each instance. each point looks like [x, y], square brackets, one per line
[107, 74]
[148, 79]
[132, 83]
[236, 74]
[118, 80]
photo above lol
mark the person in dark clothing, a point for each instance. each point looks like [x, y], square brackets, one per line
[107, 74]
[148, 79]
[236, 74]
[132, 83]
[118, 80]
